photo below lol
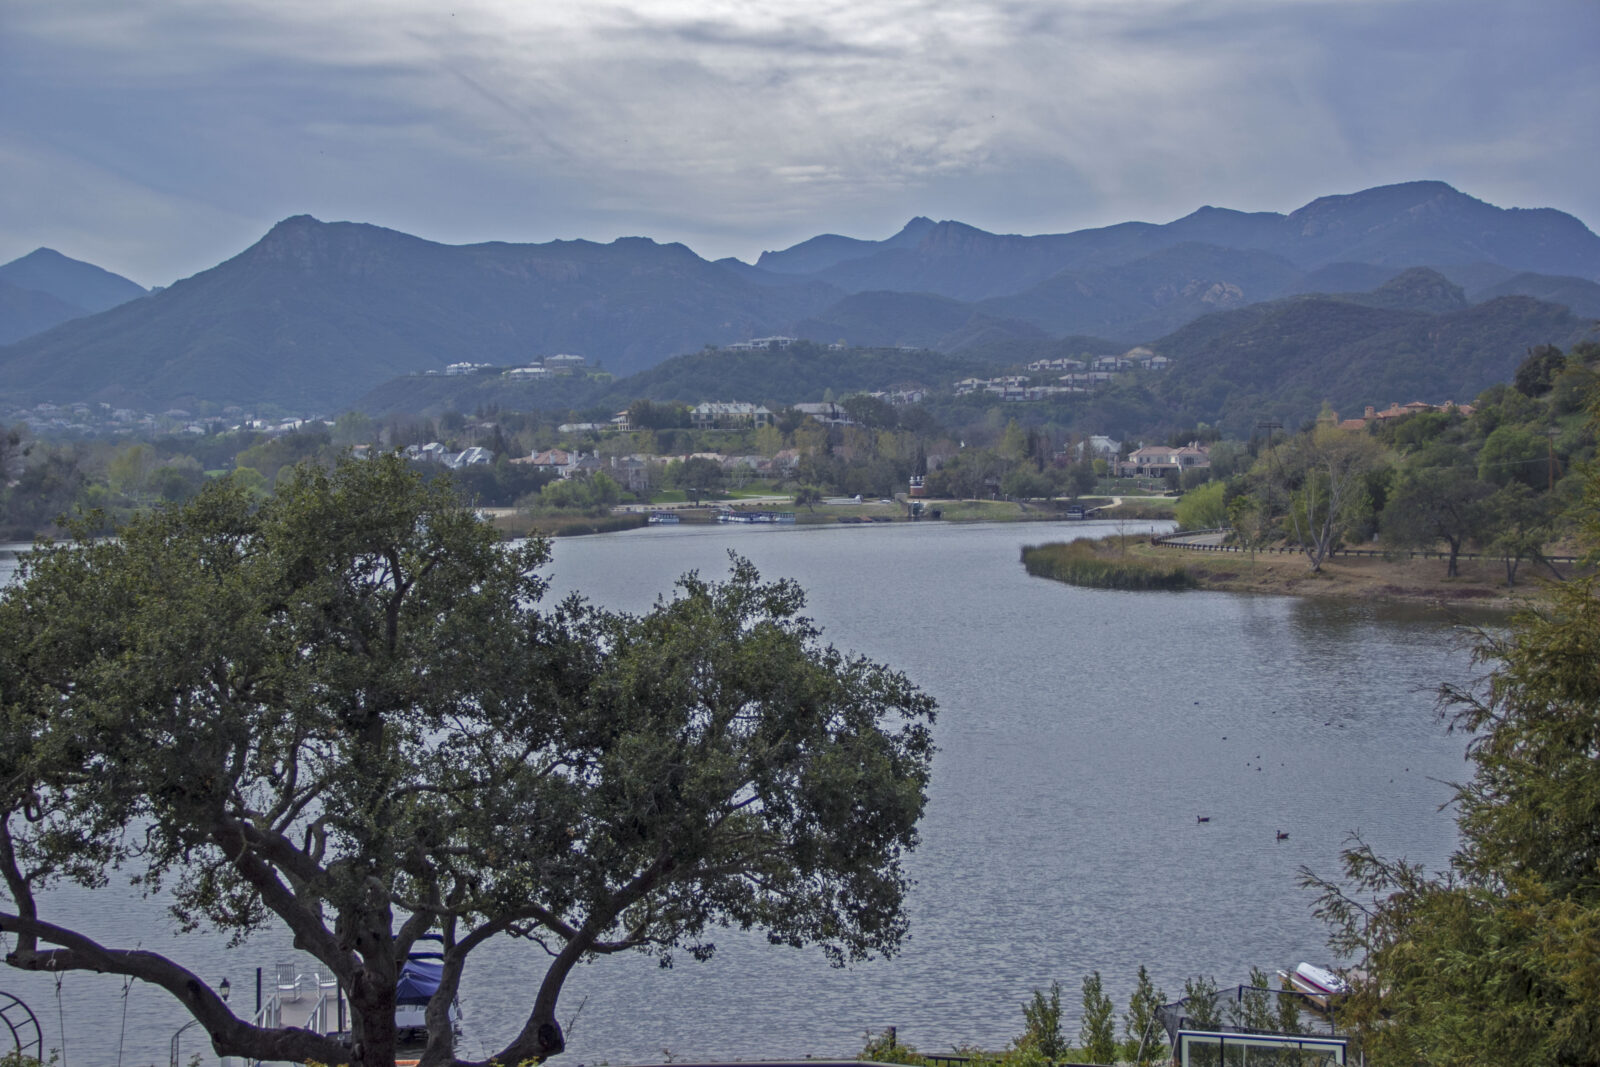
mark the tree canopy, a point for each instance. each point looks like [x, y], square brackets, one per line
[345, 710]
[1493, 961]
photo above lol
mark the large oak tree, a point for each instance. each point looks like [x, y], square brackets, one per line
[348, 712]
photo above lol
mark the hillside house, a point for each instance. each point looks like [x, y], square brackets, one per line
[1399, 411]
[827, 412]
[556, 460]
[1158, 460]
[564, 363]
[716, 415]
[761, 343]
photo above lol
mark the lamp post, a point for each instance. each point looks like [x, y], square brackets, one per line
[224, 989]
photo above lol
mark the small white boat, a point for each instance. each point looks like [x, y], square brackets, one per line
[1320, 985]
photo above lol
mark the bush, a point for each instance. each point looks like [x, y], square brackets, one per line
[882, 1047]
[1203, 508]
[1042, 1025]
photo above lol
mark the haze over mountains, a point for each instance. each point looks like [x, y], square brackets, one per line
[316, 314]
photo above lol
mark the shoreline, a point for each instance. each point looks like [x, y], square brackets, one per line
[1479, 586]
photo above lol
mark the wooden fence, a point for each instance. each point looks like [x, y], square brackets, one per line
[1177, 541]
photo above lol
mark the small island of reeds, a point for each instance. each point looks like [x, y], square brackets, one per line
[1104, 564]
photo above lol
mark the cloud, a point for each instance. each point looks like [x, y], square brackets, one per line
[740, 124]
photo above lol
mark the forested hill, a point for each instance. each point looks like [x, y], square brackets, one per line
[1285, 358]
[802, 372]
[1414, 338]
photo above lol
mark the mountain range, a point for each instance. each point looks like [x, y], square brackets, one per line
[315, 314]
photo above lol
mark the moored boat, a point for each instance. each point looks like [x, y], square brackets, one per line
[419, 980]
[1321, 986]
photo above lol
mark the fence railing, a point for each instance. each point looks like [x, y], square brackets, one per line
[1177, 541]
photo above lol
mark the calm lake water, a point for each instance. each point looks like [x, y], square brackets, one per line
[1081, 733]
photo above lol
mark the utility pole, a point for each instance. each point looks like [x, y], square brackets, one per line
[1269, 425]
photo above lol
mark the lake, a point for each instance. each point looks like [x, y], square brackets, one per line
[1081, 733]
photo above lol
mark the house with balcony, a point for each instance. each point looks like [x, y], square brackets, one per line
[1158, 460]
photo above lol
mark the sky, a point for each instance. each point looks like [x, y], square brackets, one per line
[157, 138]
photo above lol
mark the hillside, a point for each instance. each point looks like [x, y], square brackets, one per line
[72, 281]
[1151, 295]
[917, 320]
[802, 372]
[45, 288]
[24, 312]
[317, 314]
[1281, 360]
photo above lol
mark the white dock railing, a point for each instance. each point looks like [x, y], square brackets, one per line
[282, 1008]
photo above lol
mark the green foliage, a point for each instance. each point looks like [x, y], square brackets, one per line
[1233, 368]
[1041, 1033]
[1025, 483]
[16, 1058]
[591, 494]
[1493, 960]
[695, 473]
[1200, 1003]
[1436, 504]
[1256, 1008]
[1098, 1033]
[1320, 476]
[1085, 563]
[352, 689]
[885, 1047]
[54, 483]
[1535, 374]
[287, 450]
[1140, 1026]
[1203, 508]
[1512, 453]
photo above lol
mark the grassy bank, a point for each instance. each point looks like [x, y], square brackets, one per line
[1104, 564]
[1142, 508]
[1137, 564]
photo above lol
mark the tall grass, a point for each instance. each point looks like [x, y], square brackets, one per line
[1092, 564]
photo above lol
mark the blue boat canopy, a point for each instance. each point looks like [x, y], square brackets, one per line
[419, 980]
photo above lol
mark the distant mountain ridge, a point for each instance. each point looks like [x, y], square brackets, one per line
[315, 314]
[45, 288]
[1423, 223]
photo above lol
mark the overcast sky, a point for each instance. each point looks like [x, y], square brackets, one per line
[159, 137]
